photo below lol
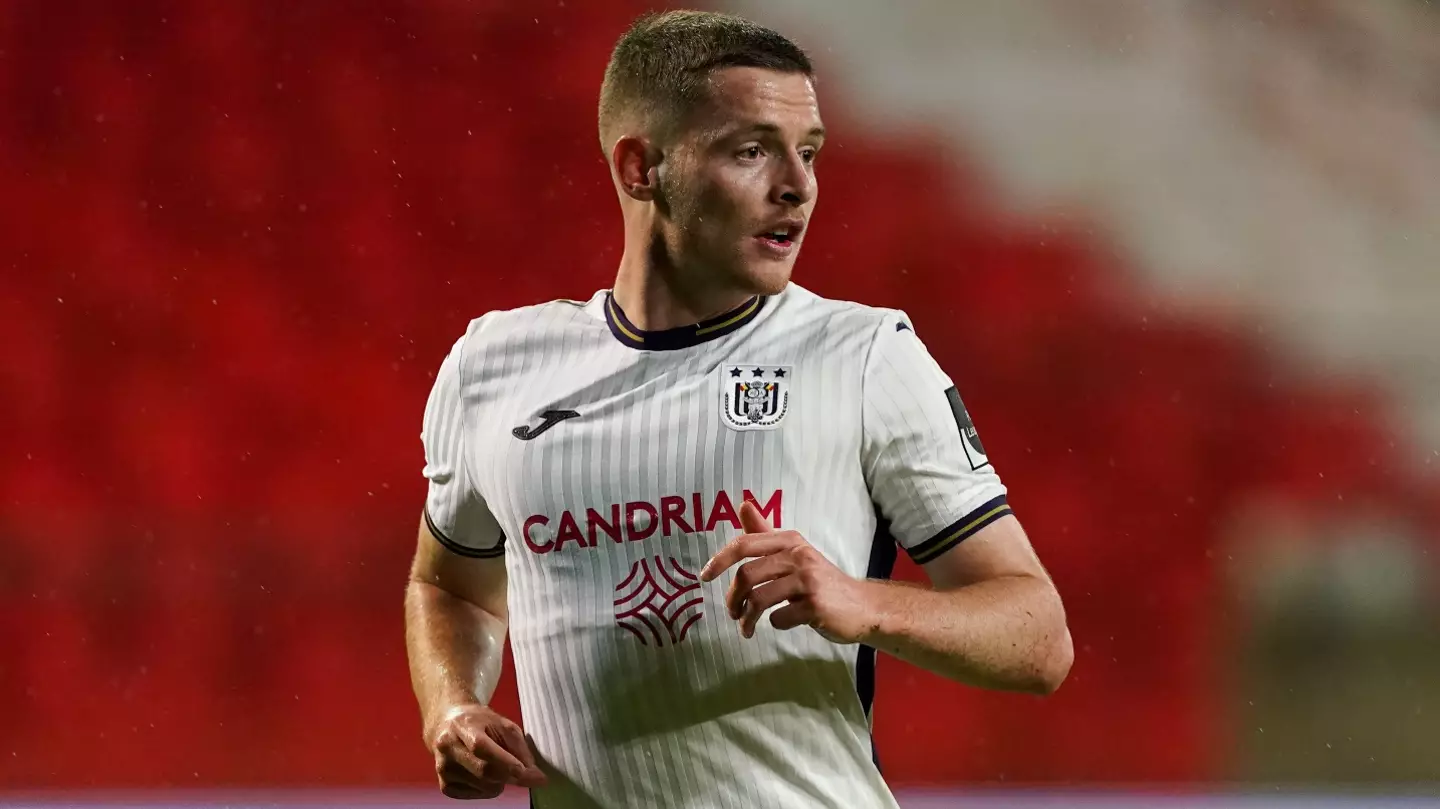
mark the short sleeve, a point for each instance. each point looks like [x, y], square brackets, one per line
[454, 510]
[924, 464]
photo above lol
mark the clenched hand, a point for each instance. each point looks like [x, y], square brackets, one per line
[478, 752]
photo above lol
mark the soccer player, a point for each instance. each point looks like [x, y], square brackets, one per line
[682, 496]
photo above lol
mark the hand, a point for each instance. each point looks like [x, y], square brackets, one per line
[478, 751]
[785, 568]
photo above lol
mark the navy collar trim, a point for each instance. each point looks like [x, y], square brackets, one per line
[681, 336]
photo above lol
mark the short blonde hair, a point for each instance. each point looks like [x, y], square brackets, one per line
[658, 69]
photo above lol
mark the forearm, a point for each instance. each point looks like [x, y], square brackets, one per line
[455, 649]
[1005, 633]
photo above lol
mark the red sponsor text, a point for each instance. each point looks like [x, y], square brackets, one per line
[639, 520]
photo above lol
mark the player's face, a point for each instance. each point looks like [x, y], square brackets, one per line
[741, 184]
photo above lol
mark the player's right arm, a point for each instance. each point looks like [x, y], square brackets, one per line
[455, 614]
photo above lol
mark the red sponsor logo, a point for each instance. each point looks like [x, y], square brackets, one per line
[659, 601]
[637, 520]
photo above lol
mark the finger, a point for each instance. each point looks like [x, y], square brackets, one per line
[541, 765]
[753, 574]
[457, 781]
[796, 613]
[751, 520]
[745, 546]
[500, 764]
[487, 760]
[467, 792]
[789, 588]
[461, 792]
[514, 741]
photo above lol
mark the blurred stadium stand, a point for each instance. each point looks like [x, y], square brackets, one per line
[1181, 261]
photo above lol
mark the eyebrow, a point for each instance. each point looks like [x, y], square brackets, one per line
[815, 132]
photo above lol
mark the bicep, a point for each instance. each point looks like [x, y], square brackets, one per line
[999, 550]
[481, 581]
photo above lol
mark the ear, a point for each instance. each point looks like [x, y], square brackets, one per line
[636, 164]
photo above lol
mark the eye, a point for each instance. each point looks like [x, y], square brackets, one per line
[752, 153]
[809, 154]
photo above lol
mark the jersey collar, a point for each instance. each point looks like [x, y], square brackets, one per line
[681, 336]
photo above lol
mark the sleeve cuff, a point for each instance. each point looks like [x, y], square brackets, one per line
[463, 550]
[959, 531]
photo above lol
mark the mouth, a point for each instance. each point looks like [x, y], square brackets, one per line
[783, 235]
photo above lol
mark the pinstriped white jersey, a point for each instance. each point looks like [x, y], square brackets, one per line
[607, 464]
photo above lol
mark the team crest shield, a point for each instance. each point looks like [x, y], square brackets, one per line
[754, 397]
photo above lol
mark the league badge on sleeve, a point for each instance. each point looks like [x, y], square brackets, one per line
[754, 397]
[974, 450]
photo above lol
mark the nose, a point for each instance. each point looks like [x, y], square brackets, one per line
[794, 183]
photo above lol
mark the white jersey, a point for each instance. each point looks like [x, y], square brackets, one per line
[607, 465]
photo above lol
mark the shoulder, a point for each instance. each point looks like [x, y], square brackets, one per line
[500, 329]
[838, 320]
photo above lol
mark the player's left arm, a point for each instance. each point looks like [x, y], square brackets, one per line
[992, 616]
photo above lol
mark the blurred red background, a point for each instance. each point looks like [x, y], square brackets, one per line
[238, 237]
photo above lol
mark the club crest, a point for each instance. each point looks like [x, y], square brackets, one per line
[754, 397]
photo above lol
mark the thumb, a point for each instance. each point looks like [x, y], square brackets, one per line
[752, 520]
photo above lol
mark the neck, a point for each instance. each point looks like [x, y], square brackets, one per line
[655, 295]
